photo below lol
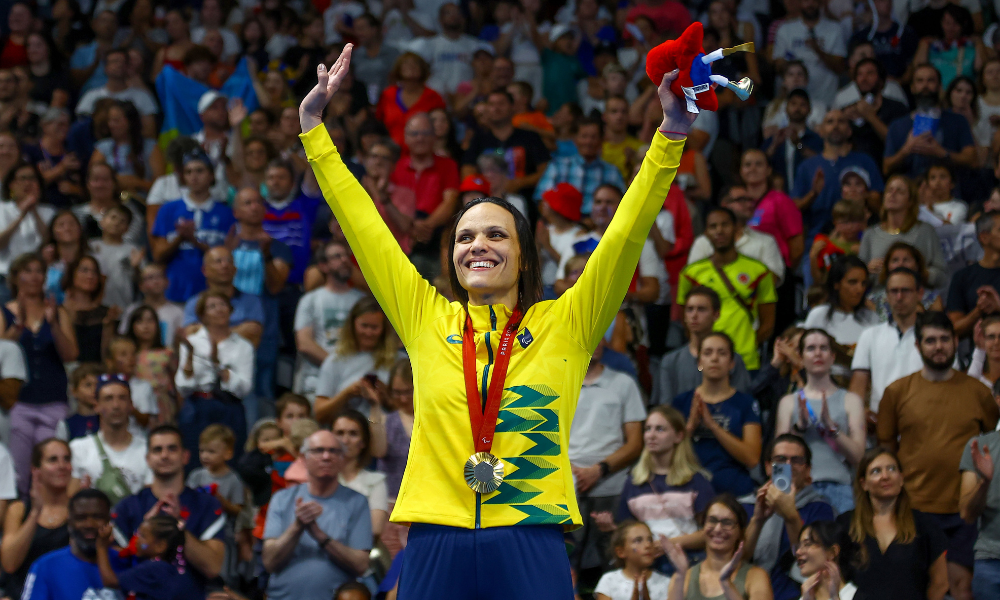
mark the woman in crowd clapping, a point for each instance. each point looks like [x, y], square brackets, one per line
[723, 423]
[818, 557]
[36, 525]
[722, 575]
[828, 417]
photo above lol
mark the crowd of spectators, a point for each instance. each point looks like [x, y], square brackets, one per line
[200, 398]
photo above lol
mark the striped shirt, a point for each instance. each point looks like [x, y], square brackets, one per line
[584, 176]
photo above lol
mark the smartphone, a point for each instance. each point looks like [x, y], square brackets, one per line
[372, 378]
[781, 477]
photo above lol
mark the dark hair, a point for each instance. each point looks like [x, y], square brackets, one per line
[167, 528]
[719, 334]
[707, 292]
[178, 148]
[38, 450]
[502, 92]
[88, 494]
[165, 429]
[135, 316]
[961, 15]
[729, 501]
[70, 274]
[931, 67]
[202, 302]
[808, 332]
[828, 534]
[722, 209]
[397, 67]
[291, 398]
[81, 244]
[373, 21]
[83, 371]
[973, 104]
[281, 163]
[8, 180]
[136, 142]
[790, 438]
[918, 257]
[799, 93]
[932, 318]
[19, 264]
[905, 271]
[366, 433]
[529, 283]
[55, 57]
[619, 540]
[123, 211]
[841, 266]
[871, 61]
[353, 586]
[592, 122]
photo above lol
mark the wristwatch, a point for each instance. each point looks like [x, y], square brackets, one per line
[605, 468]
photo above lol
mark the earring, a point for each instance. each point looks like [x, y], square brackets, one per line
[699, 368]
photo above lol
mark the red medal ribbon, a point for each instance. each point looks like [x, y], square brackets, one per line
[484, 419]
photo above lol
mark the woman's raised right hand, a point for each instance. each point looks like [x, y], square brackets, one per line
[311, 109]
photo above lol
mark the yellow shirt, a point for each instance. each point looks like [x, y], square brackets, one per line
[615, 154]
[549, 359]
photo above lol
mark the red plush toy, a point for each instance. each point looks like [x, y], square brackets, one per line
[695, 83]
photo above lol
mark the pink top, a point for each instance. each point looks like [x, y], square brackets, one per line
[777, 215]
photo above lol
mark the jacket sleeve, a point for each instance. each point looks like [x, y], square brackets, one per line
[406, 297]
[591, 304]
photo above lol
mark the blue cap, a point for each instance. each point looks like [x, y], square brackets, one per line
[111, 379]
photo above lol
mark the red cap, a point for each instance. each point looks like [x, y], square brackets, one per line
[475, 183]
[565, 200]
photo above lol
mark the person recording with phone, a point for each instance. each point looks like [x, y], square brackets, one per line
[782, 507]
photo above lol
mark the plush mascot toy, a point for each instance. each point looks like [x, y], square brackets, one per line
[695, 81]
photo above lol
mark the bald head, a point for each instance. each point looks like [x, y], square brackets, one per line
[249, 208]
[218, 267]
[419, 135]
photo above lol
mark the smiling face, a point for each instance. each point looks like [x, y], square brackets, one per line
[487, 256]
[351, 437]
[883, 479]
[56, 468]
[754, 168]
[811, 555]
[722, 529]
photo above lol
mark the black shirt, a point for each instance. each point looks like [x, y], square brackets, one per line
[864, 137]
[962, 293]
[901, 573]
[523, 149]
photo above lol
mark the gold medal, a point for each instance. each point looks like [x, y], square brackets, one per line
[483, 472]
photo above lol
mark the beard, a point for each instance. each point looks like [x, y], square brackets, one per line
[925, 100]
[938, 365]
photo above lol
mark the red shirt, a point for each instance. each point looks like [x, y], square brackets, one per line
[428, 185]
[393, 114]
[675, 262]
[13, 55]
[671, 16]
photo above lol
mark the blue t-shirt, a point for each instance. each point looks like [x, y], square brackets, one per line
[728, 474]
[953, 133]
[157, 580]
[818, 215]
[201, 512]
[82, 58]
[784, 587]
[246, 307]
[292, 225]
[249, 263]
[212, 223]
[59, 575]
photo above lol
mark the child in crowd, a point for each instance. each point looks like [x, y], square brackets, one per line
[525, 116]
[937, 205]
[159, 544]
[215, 449]
[560, 210]
[154, 362]
[848, 219]
[118, 259]
[153, 284]
[120, 357]
[83, 386]
[352, 590]
[255, 469]
[301, 429]
[634, 552]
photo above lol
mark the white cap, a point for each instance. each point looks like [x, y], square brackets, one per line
[860, 172]
[207, 99]
[558, 30]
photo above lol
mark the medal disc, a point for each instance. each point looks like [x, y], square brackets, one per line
[483, 472]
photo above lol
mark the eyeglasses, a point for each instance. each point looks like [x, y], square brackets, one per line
[876, 471]
[798, 461]
[322, 451]
[727, 524]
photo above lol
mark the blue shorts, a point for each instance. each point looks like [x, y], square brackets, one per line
[497, 563]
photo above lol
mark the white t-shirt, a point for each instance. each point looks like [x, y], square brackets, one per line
[325, 312]
[615, 585]
[984, 130]
[850, 94]
[562, 242]
[887, 356]
[131, 461]
[396, 32]
[8, 479]
[650, 265]
[954, 211]
[846, 593]
[845, 327]
[25, 238]
[779, 118]
[371, 485]
[450, 60]
[790, 44]
[116, 266]
[604, 407]
[142, 100]
[12, 362]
